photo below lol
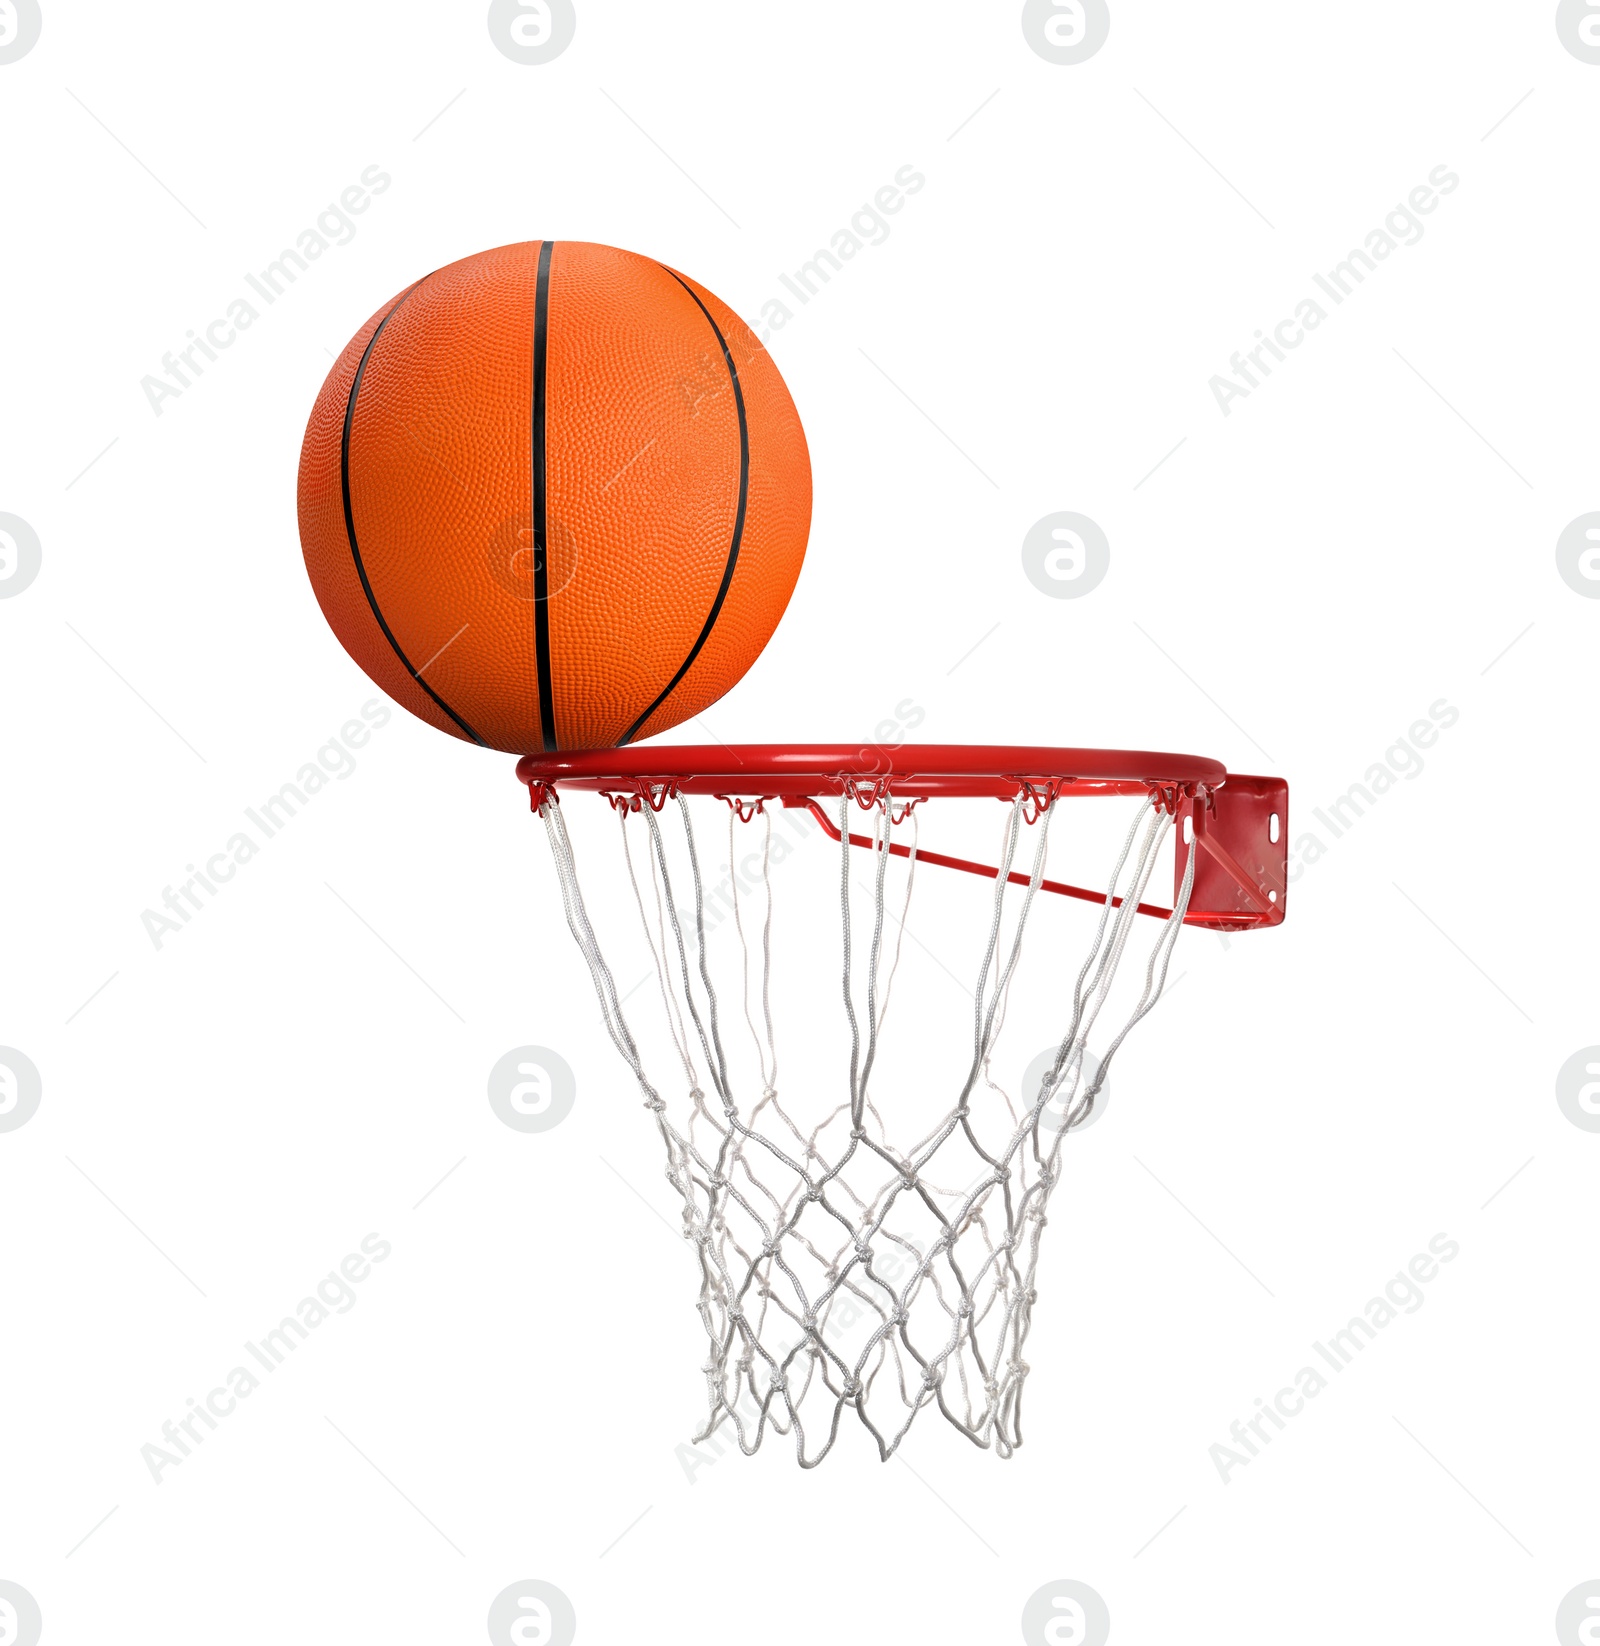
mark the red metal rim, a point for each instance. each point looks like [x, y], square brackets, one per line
[914, 769]
[1240, 829]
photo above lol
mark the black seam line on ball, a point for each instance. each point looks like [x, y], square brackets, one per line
[541, 568]
[350, 523]
[738, 519]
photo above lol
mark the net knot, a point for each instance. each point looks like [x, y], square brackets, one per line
[769, 1092]
[859, 1133]
[863, 1250]
[1001, 1173]
[851, 1389]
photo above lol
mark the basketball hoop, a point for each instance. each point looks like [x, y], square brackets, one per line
[841, 1273]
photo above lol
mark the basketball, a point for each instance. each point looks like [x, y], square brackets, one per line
[554, 496]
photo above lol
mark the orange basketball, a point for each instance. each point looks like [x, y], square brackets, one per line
[554, 496]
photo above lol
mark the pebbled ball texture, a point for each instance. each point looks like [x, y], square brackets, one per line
[676, 498]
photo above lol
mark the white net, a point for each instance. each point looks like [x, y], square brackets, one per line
[842, 1274]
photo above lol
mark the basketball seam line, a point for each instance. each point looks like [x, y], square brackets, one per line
[738, 522]
[541, 570]
[350, 521]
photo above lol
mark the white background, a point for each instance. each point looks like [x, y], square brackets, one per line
[1295, 584]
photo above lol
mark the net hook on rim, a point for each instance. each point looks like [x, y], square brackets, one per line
[1038, 795]
[1167, 797]
[646, 791]
[746, 809]
[867, 792]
